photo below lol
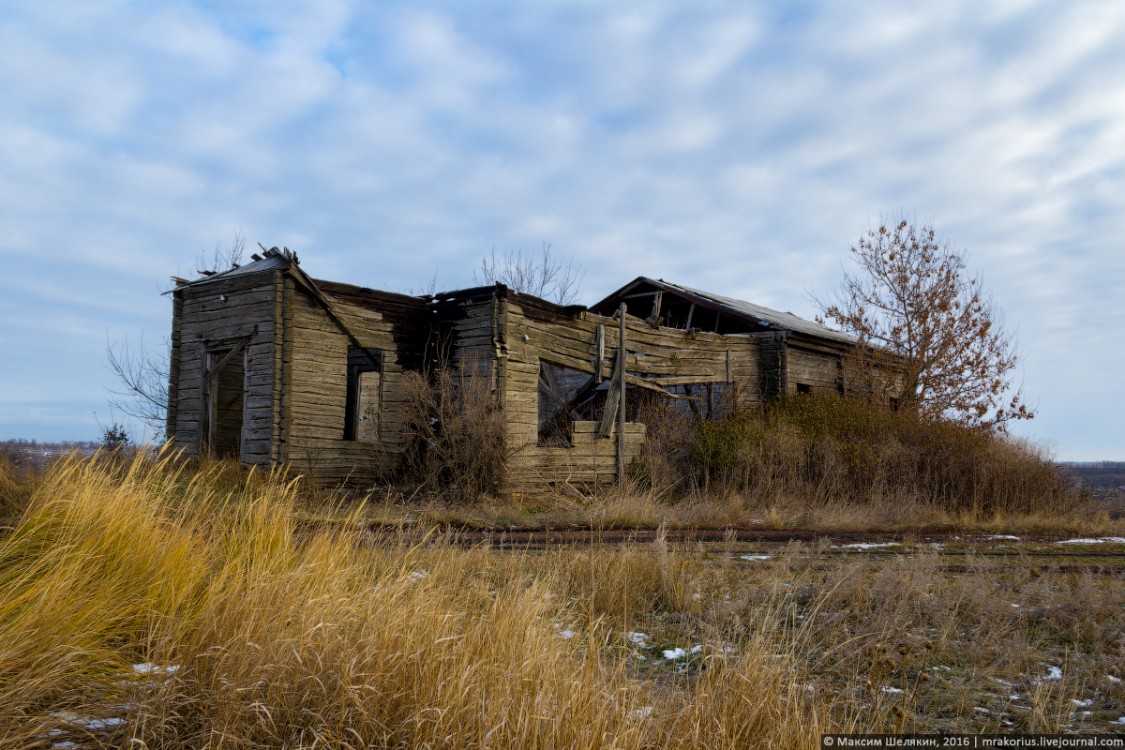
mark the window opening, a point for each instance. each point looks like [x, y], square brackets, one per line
[564, 395]
[363, 412]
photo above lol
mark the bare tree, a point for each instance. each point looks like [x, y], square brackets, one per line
[222, 258]
[140, 373]
[912, 298]
[541, 275]
[140, 390]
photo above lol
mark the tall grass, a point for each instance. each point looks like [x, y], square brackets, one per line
[246, 633]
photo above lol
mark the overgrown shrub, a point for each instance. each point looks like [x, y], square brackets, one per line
[831, 449]
[456, 433]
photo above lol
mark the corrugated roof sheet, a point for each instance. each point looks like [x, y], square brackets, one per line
[784, 320]
[256, 266]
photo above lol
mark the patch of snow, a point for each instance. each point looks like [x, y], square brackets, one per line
[1085, 703]
[868, 545]
[1086, 714]
[638, 638]
[1121, 720]
[756, 557]
[891, 690]
[642, 712]
[150, 668]
[1053, 673]
[419, 575]
[981, 710]
[567, 634]
[1003, 538]
[672, 654]
[697, 648]
[1113, 679]
[90, 723]
[1015, 606]
[1100, 540]
[1015, 697]
[941, 668]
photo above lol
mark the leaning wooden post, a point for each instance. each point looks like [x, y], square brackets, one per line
[621, 357]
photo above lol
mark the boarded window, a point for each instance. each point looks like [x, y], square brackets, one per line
[804, 388]
[363, 414]
[562, 396]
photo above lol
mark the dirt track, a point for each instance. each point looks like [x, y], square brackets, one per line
[549, 538]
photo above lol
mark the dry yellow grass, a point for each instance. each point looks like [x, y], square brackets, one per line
[249, 633]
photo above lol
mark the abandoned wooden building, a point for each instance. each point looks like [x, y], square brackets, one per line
[273, 367]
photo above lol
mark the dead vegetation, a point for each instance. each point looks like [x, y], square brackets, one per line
[142, 604]
[807, 461]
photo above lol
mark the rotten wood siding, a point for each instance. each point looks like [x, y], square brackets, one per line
[812, 370]
[209, 317]
[656, 359]
[773, 364]
[316, 378]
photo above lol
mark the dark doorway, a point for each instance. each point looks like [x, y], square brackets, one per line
[226, 396]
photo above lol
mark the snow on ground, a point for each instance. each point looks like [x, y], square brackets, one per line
[1100, 540]
[1003, 538]
[867, 545]
[638, 639]
[150, 668]
[756, 557]
[672, 654]
[1053, 673]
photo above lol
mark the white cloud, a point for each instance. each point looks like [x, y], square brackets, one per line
[732, 150]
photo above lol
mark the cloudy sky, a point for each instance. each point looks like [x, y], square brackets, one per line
[735, 147]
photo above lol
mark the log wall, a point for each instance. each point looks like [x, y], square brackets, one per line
[210, 316]
[820, 371]
[655, 357]
[315, 356]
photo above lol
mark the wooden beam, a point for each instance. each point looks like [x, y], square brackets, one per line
[623, 355]
[605, 426]
[599, 357]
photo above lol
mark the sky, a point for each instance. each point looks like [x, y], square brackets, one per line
[738, 147]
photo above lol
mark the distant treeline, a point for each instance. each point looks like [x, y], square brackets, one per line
[1097, 475]
[23, 445]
